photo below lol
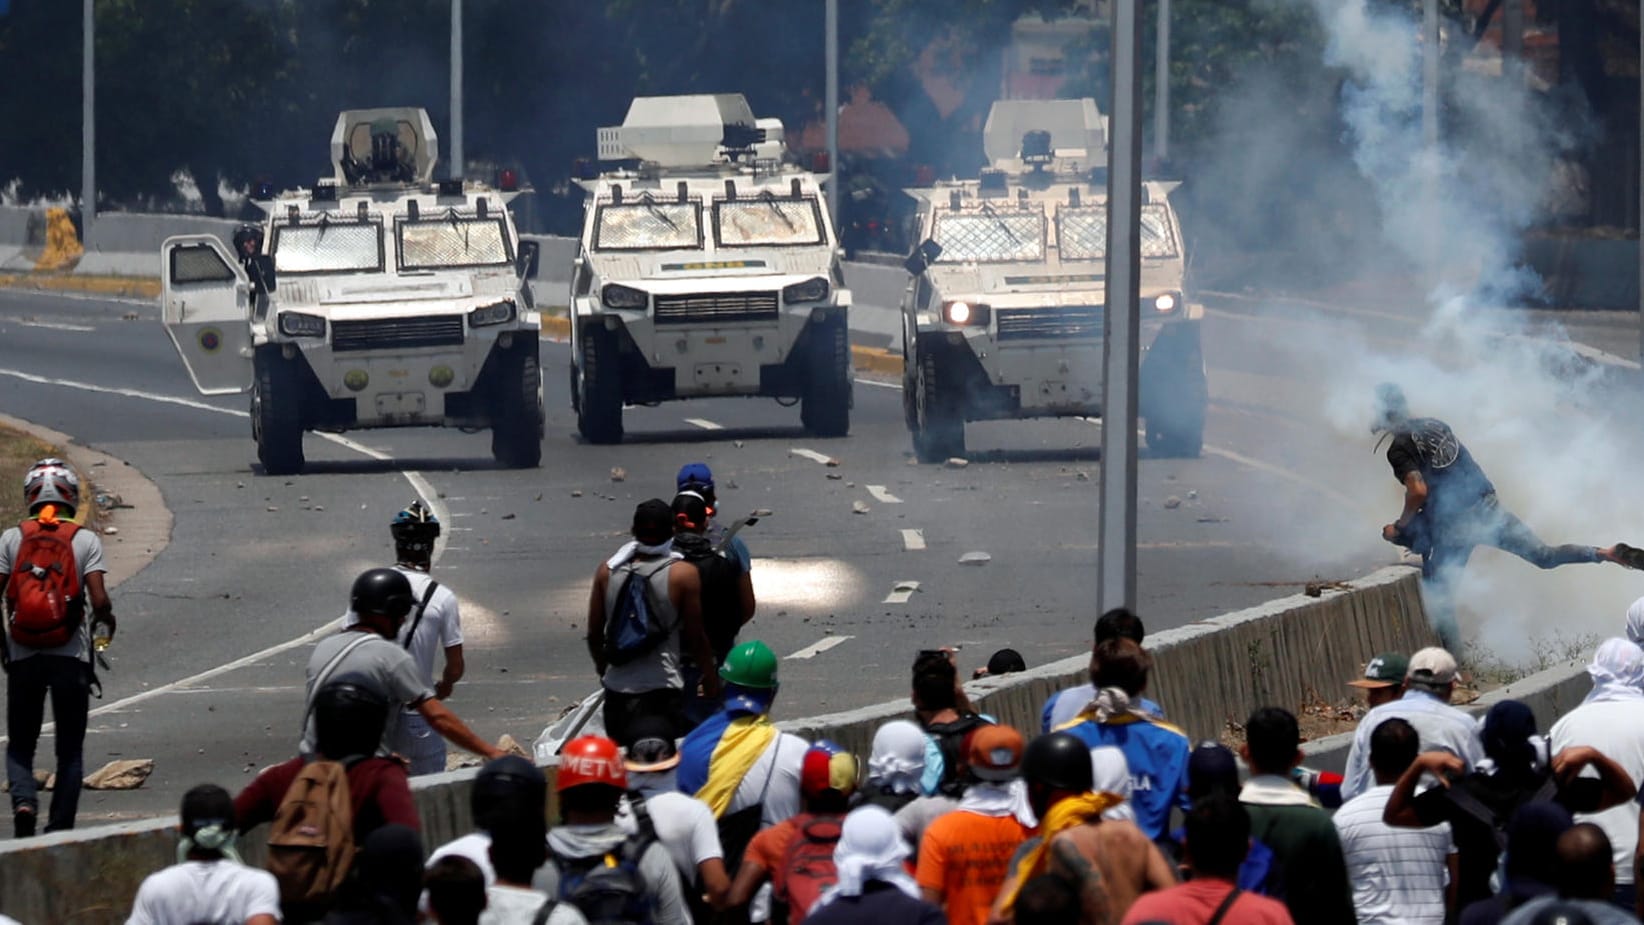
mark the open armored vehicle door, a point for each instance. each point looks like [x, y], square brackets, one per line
[205, 304]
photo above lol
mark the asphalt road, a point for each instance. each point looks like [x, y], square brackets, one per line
[208, 666]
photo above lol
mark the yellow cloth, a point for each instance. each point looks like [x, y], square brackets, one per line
[743, 741]
[1072, 811]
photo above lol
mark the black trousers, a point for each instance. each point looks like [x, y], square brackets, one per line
[28, 682]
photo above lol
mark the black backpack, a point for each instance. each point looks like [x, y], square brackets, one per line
[722, 615]
[950, 741]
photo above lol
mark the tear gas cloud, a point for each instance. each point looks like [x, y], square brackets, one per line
[1442, 225]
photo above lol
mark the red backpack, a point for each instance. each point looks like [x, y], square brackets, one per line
[807, 867]
[44, 594]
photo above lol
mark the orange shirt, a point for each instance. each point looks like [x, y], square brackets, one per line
[965, 857]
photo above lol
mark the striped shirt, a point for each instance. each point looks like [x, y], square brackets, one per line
[1398, 874]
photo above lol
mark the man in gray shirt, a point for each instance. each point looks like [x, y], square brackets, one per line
[381, 597]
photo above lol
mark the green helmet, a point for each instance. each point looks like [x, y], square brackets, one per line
[751, 664]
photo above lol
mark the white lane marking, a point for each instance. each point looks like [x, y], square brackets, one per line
[818, 647]
[703, 423]
[901, 592]
[52, 325]
[420, 484]
[913, 540]
[883, 495]
[877, 384]
[812, 455]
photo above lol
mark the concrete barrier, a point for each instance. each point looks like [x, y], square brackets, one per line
[1206, 673]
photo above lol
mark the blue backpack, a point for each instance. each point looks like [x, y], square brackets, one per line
[607, 889]
[634, 626]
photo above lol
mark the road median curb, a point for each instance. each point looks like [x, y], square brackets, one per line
[128, 287]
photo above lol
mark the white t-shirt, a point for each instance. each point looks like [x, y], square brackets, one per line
[88, 556]
[781, 798]
[1616, 728]
[684, 825]
[512, 905]
[1398, 874]
[199, 892]
[475, 847]
[441, 626]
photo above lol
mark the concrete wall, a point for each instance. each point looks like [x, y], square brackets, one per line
[1206, 673]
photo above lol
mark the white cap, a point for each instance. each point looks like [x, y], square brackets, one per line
[1432, 665]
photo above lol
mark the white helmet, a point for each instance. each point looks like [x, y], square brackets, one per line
[51, 481]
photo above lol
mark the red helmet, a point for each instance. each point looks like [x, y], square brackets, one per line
[591, 760]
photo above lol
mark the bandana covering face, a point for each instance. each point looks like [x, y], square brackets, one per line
[870, 848]
[898, 759]
[1110, 773]
[1617, 671]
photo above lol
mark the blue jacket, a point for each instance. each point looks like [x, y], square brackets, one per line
[1157, 754]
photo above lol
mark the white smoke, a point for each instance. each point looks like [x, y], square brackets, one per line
[1536, 417]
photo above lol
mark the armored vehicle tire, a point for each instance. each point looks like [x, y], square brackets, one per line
[516, 433]
[1181, 435]
[940, 433]
[599, 408]
[275, 419]
[826, 405]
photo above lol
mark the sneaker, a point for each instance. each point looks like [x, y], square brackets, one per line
[22, 822]
[1630, 556]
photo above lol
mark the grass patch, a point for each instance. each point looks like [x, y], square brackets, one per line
[1489, 669]
[18, 451]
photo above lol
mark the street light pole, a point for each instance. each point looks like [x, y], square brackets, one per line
[830, 104]
[1116, 553]
[456, 169]
[88, 120]
[1429, 73]
[1161, 86]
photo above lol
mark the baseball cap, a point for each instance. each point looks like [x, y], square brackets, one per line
[1006, 661]
[650, 745]
[1385, 670]
[826, 767]
[995, 753]
[1432, 665]
[694, 474]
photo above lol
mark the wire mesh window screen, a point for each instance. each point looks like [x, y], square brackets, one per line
[447, 243]
[328, 247]
[768, 222]
[996, 238]
[199, 264]
[648, 226]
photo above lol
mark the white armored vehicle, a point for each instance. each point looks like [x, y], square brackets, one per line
[708, 267]
[379, 298]
[1004, 316]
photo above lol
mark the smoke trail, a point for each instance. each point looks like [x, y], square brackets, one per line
[1454, 212]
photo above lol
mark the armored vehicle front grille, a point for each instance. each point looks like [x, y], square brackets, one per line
[1062, 321]
[707, 307]
[397, 333]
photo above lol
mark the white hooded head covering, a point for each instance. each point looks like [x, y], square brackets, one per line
[1617, 671]
[870, 848]
[898, 759]
[1635, 622]
[1110, 773]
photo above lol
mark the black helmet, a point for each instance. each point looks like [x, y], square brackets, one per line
[1059, 760]
[507, 787]
[349, 717]
[415, 527]
[247, 234]
[382, 592]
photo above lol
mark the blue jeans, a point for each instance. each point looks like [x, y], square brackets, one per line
[28, 681]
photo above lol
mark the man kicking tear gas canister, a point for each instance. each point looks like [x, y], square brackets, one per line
[1451, 507]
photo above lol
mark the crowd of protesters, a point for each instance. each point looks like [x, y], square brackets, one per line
[683, 802]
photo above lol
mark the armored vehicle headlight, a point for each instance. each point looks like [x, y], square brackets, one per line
[965, 313]
[1167, 302]
[616, 295]
[297, 324]
[500, 313]
[811, 290]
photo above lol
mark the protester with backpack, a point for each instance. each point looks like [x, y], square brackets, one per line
[697, 477]
[683, 824]
[503, 789]
[727, 593]
[434, 626]
[209, 883]
[382, 599]
[965, 855]
[50, 571]
[644, 612]
[324, 806]
[943, 711]
[873, 886]
[609, 875]
[796, 855]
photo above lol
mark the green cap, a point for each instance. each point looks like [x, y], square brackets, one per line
[1385, 670]
[751, 664]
